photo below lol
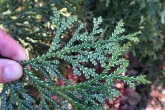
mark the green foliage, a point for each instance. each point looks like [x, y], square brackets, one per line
[147, 16]
[82, 52]
[144, 15]
[1, 1]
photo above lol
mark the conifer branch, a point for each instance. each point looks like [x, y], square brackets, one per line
[82, 48]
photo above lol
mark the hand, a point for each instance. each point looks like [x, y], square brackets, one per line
[10, 70]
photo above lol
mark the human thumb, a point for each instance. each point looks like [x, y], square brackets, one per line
[9, 70]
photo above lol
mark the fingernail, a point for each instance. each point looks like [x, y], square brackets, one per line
[11, 73]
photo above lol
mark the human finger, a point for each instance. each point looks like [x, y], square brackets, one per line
[9, 70]
[10, 48]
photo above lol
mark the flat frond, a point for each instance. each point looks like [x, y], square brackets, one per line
[83, 53]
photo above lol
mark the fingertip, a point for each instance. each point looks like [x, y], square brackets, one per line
[10, 48]
[20, 55]
[9, 70]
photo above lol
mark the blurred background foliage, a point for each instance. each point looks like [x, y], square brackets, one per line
[30, 24]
